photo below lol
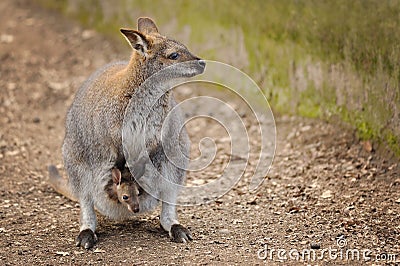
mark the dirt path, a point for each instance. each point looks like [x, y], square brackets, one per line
[325, 189]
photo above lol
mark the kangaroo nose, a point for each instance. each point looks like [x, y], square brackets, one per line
[136, 209]
[202, 63]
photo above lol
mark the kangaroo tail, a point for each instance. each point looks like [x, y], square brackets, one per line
[60, 184]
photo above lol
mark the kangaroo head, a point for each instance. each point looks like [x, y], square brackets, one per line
[155, 51]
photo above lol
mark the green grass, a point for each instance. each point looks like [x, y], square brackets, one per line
[364, 32]
[362, 37]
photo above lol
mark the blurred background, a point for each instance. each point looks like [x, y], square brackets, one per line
[336, 60]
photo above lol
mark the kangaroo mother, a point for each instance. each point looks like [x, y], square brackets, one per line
[93, 138]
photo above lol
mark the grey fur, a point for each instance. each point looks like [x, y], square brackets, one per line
[94, 130]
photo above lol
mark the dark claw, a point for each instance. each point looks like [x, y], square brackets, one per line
[86, 239]
[180, 234]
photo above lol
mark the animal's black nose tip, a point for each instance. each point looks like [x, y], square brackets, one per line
[202, 63]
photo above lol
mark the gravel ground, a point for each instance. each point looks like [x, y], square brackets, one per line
[326, 194]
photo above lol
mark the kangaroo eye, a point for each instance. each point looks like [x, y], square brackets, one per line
[173, 56]
[125, 197]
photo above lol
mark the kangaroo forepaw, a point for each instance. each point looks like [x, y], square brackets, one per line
[86, 238]
[180, 234]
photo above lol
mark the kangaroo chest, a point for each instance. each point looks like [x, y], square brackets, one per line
[155, 123]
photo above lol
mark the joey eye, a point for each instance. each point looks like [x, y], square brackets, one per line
[125, 197]
[173, 56]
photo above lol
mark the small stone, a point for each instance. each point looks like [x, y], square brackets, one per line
[36, 120]
[57, 86]
[237, 221]
[315, 246]
[253, 202]
[224, 231]
[198, 182]
[11, 86]
[305, 128]
[12, 153]
[348, 209]
[87, 34]
[30, 22]
[6, 38]
[61, 253]
[327, 194]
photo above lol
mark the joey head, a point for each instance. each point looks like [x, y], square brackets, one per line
[124, 189]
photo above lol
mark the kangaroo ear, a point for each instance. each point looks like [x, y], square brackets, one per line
[116, 176]
[137, 40]
[147, 26]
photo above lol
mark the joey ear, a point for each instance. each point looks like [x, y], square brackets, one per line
[137, 40]
[147, 25]
[116, 175]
